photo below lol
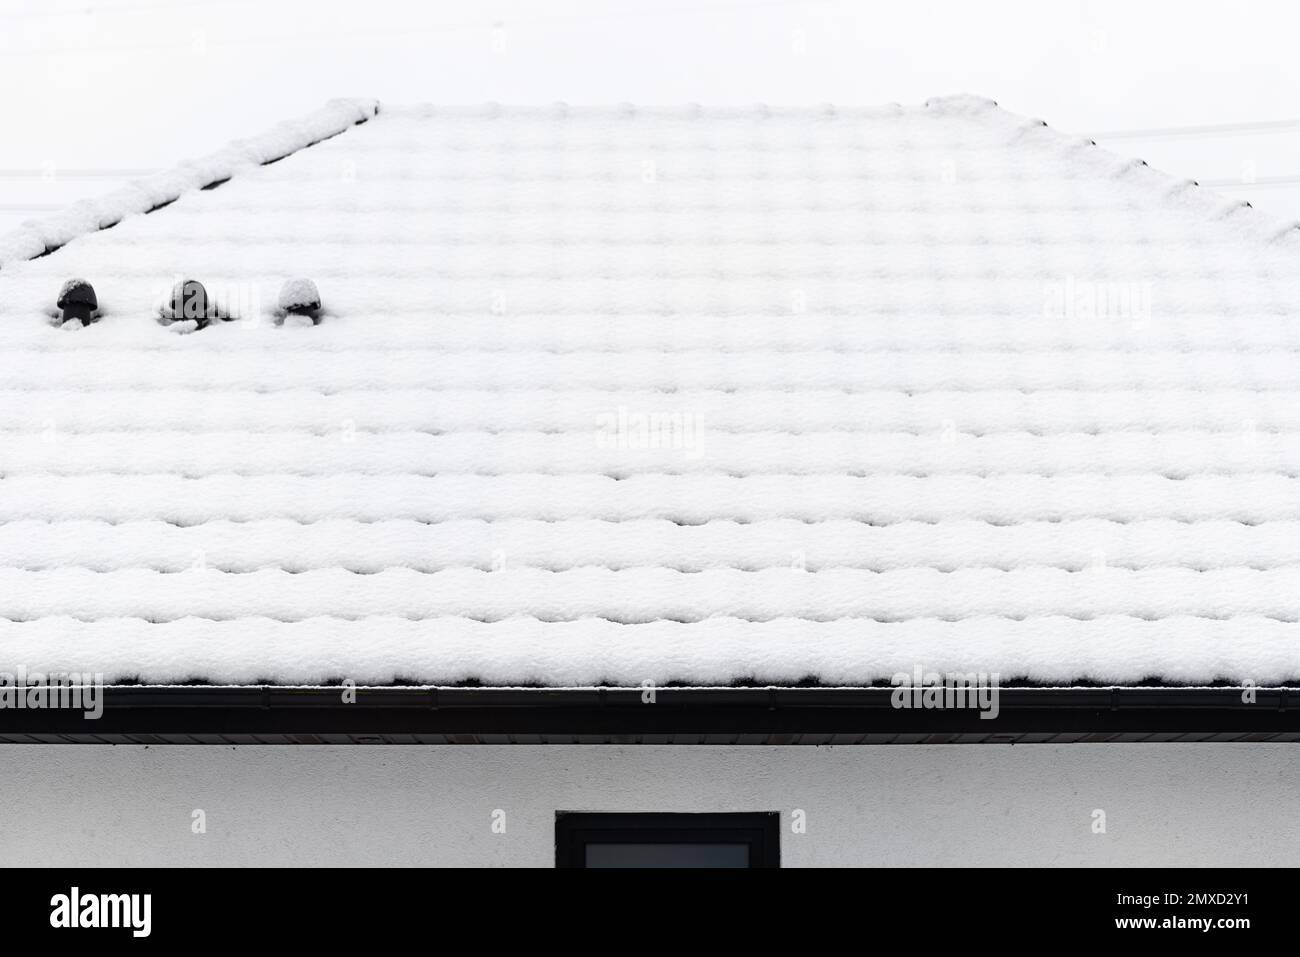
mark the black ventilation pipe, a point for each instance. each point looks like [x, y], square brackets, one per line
[77, 301]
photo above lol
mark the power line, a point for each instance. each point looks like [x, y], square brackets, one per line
[1259, 181]
[1221, 129]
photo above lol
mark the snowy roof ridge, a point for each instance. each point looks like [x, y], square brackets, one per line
[39, 237]
[1254, 223]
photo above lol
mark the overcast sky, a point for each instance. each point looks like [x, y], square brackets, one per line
[96, 90]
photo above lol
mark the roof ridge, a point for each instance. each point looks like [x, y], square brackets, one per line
[1257, 224]
[1254, 223]
[37, 238]
[952, 104]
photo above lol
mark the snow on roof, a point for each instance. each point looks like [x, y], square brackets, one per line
[41, 237]
[626, 395]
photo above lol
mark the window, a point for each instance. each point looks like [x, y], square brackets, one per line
[667, 840]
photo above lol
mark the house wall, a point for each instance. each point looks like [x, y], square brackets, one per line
[1193, 804]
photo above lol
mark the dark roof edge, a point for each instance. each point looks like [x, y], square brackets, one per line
[269, 714]
[441, 696]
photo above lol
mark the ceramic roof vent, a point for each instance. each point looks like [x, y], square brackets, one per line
[77, 301]
[189, 302]
[300, 297]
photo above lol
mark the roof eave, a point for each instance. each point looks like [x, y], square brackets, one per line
[265, 714]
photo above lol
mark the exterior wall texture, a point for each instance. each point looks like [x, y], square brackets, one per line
[1164, 804]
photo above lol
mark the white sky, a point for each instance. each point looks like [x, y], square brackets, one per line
[95, 88]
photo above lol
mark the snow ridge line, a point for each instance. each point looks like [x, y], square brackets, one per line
[912, 371]
[380, 650]
[650, 594]
[40, 237]
[362, 548]
[1176, 191]
[687, 499]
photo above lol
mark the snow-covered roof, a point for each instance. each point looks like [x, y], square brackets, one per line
[625, 395]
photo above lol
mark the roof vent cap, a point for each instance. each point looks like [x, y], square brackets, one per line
[300, 297]
[77, 301]
[189, 302]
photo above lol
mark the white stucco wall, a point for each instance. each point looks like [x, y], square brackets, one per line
[1222, 804]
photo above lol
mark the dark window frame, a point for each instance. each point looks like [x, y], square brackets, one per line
[575, 830]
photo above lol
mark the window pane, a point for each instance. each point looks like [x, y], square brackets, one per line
[668, 855]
